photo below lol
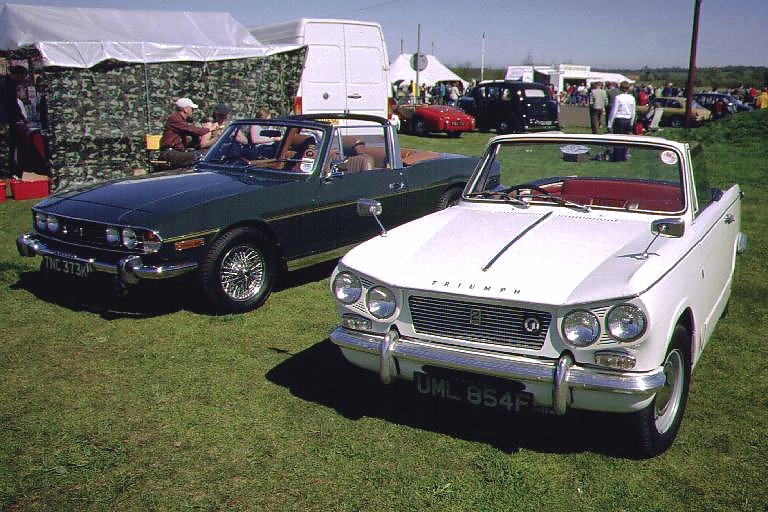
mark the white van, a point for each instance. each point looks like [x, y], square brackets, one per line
[346, 68]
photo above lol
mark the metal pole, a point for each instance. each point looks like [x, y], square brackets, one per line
[692, 64]
[416, 92]
[482, 58]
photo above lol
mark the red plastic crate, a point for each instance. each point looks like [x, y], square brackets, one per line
[2, 191]
[30, 189]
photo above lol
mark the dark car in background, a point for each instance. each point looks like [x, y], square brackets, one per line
[270, 195]
[730, 105]
[511, 106]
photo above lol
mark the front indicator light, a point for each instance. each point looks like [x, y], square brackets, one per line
[580, 328]
[356, 322]
[615, 360]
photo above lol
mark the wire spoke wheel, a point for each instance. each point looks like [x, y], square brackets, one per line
[242, 272]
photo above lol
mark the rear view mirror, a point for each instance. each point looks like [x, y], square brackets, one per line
[670, 228]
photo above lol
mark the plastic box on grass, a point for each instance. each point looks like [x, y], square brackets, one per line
[2, 191]
[30, 189]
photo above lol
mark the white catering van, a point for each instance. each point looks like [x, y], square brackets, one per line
[346, 68]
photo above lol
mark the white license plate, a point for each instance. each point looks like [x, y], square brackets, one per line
[480, 395]
[66, 266]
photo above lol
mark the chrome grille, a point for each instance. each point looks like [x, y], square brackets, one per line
[479, 322]
[83, 233]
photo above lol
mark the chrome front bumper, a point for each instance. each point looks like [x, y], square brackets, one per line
[563, 375]
[130, 269]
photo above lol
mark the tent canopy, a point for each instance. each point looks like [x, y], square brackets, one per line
[82, 37]
[435, 71]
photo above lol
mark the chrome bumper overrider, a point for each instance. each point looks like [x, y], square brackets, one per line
[130, 269]
[562, 374]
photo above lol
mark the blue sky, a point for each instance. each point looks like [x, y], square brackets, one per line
[600, 33]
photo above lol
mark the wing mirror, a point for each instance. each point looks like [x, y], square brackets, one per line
[668, 228]
[371, 208]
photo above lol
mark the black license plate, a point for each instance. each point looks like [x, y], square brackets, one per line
[63, 265]
[472, 393]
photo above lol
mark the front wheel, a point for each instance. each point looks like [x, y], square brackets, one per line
[657, 425]
[450, 197]
[676, 122]
[419, 126]
[238, 272]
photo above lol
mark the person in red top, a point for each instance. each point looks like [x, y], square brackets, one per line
[177, 144]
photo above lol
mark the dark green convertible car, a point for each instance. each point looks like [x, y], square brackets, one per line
[268, 195]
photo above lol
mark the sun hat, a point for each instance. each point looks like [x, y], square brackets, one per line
[184, 103]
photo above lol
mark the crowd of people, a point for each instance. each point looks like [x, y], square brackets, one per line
[441, 93]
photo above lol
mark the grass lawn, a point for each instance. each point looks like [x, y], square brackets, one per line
[146, 403]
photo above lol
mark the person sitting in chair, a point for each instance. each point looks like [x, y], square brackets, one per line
[177, 144]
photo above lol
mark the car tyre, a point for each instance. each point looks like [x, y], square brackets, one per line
[238, 272]
[419, 126]
[676, 122]
[450, 197]
[657, 425]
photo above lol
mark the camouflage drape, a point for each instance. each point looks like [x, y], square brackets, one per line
[98, 117]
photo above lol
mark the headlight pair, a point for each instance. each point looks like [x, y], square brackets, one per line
[44, 222]
[624, 323]
[379, 301]
[149, 241]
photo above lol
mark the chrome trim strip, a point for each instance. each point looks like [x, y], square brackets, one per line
[562, 374]
[129, 269]
[198, 234]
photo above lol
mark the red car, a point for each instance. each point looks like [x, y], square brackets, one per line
[422, 119]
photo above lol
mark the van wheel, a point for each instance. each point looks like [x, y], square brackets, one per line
[657, 425]
[454, 135]
[238, 272]
[419, 126]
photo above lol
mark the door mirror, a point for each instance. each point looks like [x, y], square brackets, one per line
[670, 228]
[368, 207]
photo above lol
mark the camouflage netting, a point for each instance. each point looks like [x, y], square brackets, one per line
[99, 117]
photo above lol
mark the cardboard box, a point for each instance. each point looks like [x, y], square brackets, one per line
[30, 189]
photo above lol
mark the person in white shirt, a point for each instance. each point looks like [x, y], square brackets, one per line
[622, 118]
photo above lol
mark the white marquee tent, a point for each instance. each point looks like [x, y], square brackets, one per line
[435, 71]
[79, 37]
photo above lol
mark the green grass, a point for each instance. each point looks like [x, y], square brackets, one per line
[148, 404]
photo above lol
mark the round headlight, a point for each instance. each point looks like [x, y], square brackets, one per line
[625, 322]
[52, 223]
[112, 235]
[40, 221]
[347, 287]
[580, 328]
[380, 302]
[129, 238]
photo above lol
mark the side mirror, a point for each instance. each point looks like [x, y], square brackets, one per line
[368, 207]
[371, 208]
[670, 228]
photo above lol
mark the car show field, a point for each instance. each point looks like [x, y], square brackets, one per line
[148, 402]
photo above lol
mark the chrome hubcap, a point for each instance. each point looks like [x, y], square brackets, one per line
[668, 398]
[242, 272]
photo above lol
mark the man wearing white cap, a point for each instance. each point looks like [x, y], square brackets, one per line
[176, 144]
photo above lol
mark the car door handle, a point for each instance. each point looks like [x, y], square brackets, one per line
[354, 96]
[397, 186]
[729, 218]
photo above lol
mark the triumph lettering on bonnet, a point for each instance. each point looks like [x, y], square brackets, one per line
[473, 286]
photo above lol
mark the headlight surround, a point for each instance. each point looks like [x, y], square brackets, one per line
[52, 223]
[41, 221]
[112, 235]
[580, 328]
[625, 322]
[151, 241]
[347, 288]
[129, 238]
[380, 302]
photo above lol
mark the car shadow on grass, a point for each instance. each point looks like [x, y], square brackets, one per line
[101, 295]
[320, 374]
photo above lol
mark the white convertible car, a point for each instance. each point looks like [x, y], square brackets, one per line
[577, 271]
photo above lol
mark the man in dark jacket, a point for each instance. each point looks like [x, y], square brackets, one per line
[12, 114]
[179, 135]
